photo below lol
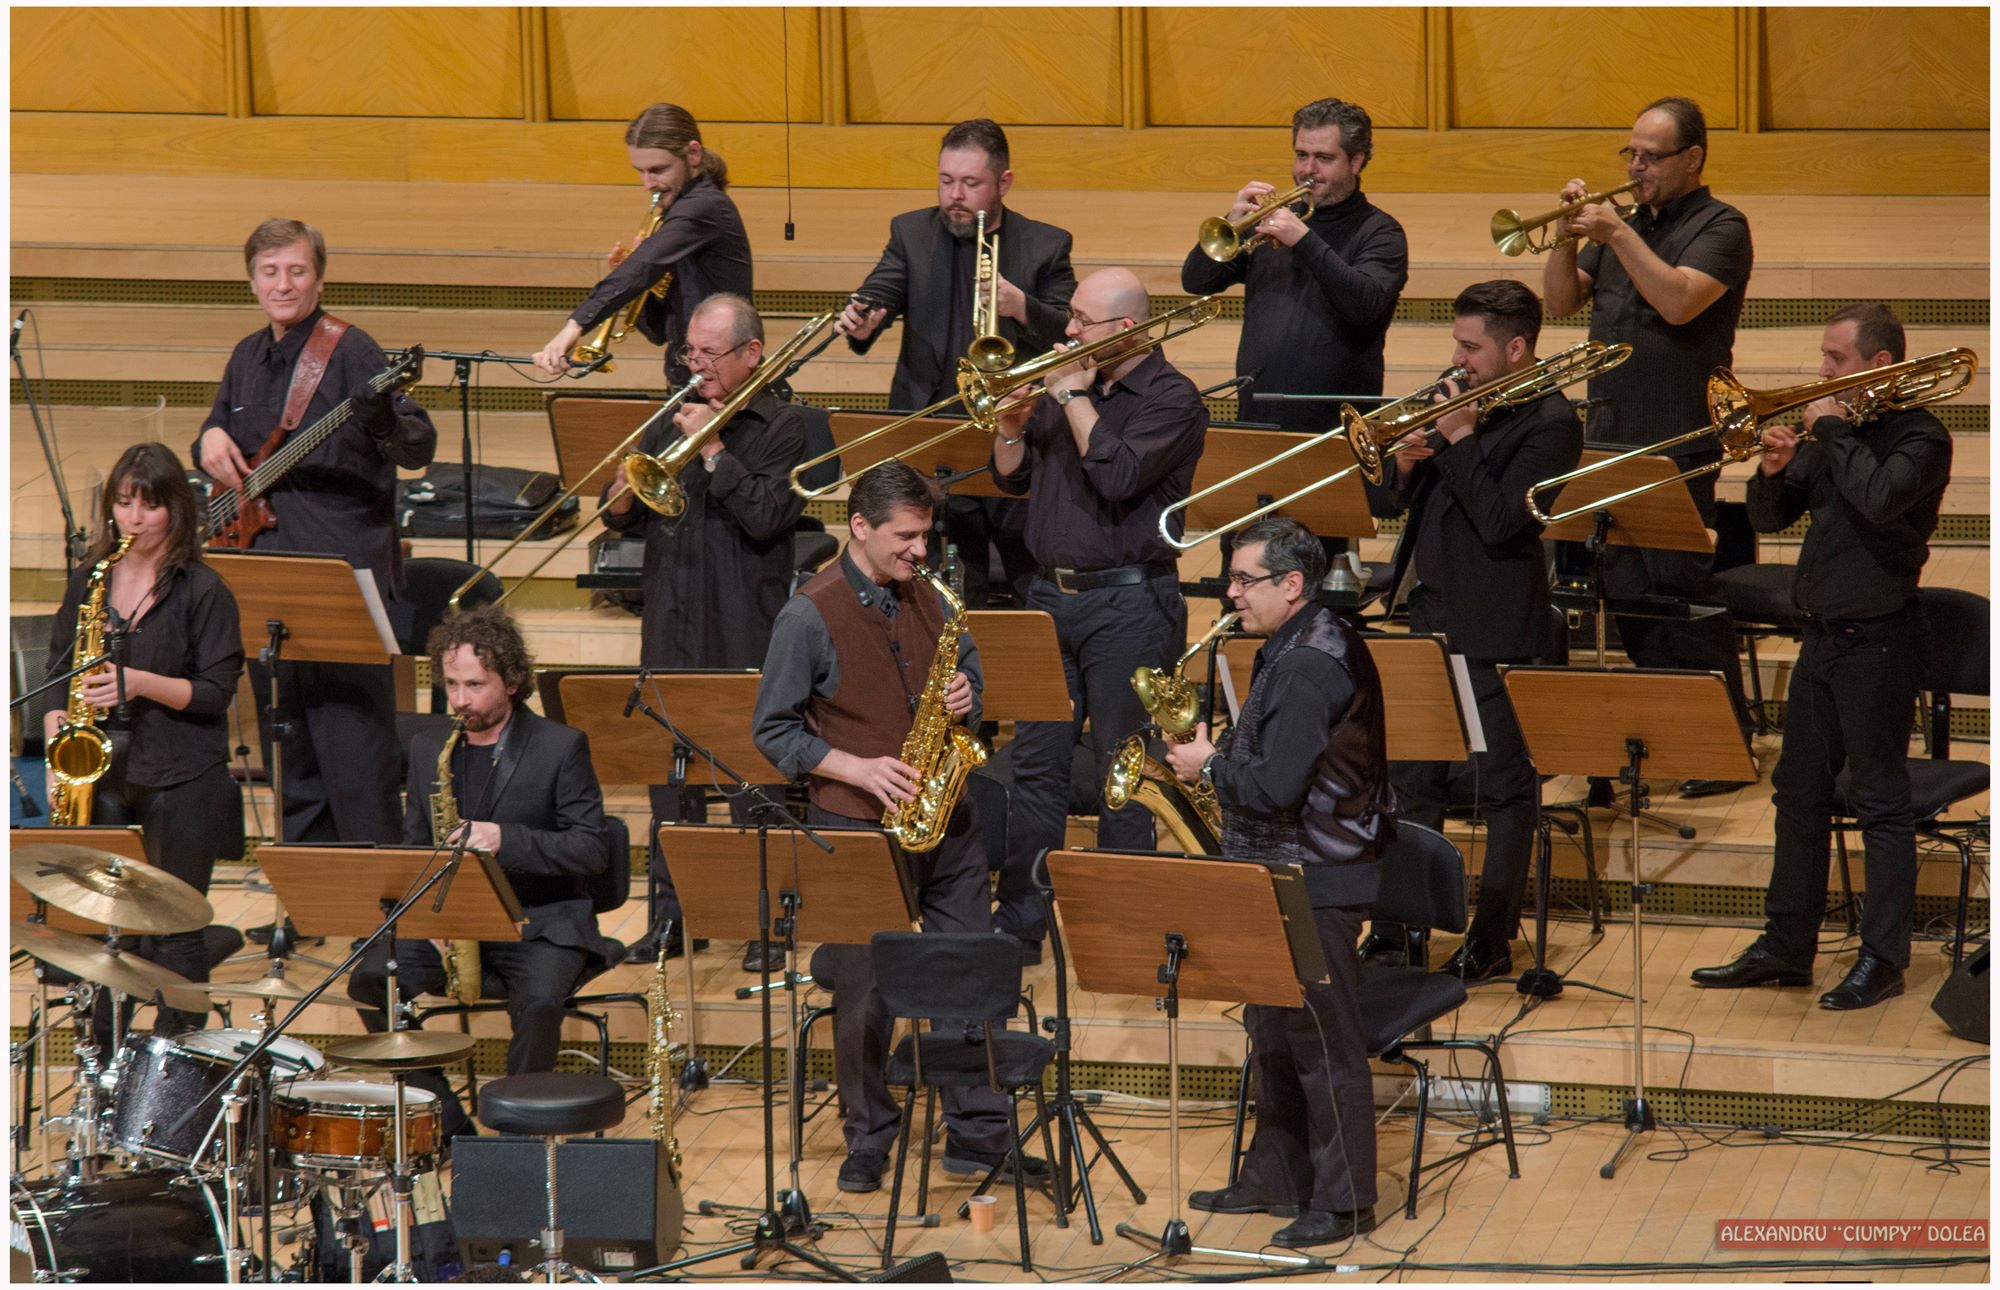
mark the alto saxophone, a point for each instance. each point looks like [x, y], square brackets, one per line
[615, 328]
[80, 752]
[941, 751]
[461, 958]
[1189, 812]
[661, 1015]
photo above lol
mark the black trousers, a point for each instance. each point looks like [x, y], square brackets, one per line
[1105, 635]
[1315, 1139]
[952, 895]
[1506, 789]
[534, 977]
[1852, 693]
[973, 524]
[340, 763]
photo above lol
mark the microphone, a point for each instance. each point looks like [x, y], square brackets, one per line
[1236, 383]
[638, 683]
[14, 341]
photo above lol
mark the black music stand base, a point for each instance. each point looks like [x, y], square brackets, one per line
[1638, 1111]
[1542, 981]
[1638, 1120]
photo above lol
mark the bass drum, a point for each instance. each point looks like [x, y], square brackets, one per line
[144, 1228]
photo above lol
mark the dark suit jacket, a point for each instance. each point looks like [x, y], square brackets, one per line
[1496, 592]
[914, 280]
[551, 817]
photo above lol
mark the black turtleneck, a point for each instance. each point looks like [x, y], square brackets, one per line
[1314, 315]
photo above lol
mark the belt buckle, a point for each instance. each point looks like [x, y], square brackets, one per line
[1062, 577]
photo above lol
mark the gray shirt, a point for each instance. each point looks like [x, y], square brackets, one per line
[802, 665]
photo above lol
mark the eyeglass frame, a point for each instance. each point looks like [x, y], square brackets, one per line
[687, 354]
[1647, 160]
[1243, 581]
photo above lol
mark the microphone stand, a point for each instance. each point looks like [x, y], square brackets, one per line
[75, 542]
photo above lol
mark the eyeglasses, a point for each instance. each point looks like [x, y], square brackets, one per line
[688, 355]
[1244, 581]
[1647, 160]
[1082, 321]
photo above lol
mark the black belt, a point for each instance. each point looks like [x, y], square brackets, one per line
[1127, 575]
[1823, 623]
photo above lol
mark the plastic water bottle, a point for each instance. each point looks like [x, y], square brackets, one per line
[952, 572]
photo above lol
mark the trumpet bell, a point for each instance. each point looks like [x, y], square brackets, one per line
[653, 483]
[1510, 232]
[1218, 238]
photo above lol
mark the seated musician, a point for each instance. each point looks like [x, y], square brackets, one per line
[850, 655]
[526, 792]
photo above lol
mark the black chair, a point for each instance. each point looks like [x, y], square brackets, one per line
[1957, 636]
[1423, 886]
[1759, 596]
[820, 970]
[975, 981]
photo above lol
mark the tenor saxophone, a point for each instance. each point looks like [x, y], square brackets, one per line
[80, 752]
[941, 751]
[461, 958]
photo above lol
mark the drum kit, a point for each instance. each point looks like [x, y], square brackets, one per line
[177, 1142]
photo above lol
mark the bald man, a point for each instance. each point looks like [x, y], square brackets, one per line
[1112, 445]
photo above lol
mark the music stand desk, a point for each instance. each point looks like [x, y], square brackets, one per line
[586, 427]
[845, 896]
[1023, 666]
[967, 451]
[1338, 510]
[714, 708]
[1663, 519]
[343, 891]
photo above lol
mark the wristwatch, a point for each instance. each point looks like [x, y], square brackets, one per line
[1207, 768]
[708, 463]
[1063, 397]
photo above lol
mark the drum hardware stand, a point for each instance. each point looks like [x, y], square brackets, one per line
[236, 1257]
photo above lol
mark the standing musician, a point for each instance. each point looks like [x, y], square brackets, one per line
[1300, 781]
[927, 275]
[1482, 580]
[1873, 491]
[1112, 446]
[174, 621]
[716, 576]
[857, 638]
[525, 789]
[1317, 304]
[1670, 281]
[700, 241]
[340, 757]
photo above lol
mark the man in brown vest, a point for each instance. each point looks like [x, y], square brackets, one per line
[856, 638]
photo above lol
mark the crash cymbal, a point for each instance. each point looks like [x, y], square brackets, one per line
[125, 973]
[402, 1048]
[106, 888]
[274, 988]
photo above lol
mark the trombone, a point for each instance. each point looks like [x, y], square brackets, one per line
[1737, 415]
[989, 351]
[1513, 235]
[1221, 238]
[989, 396]
[674, 400]
[596, 347]
[1381, 434]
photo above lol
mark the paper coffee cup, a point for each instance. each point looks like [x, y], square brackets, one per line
[983, 1209]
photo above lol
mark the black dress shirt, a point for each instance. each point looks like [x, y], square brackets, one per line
[702, 240]
[1874, 492]
[1315, 314]
[341, 497]
[190, 631]
[717, 576]
[1661, 391]
[1307, 693]
[1101, 509]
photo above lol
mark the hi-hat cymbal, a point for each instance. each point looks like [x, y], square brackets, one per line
[125, 973]
[402, 1048]
[106, 888]
[276, 989]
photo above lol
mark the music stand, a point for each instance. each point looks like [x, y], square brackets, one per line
[1599, 721]
[1338, 510]
[301, 609]
[586, 427]
[1023, 666]
[959, 462]
[1228, 930]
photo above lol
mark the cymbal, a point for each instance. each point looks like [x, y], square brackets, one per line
[106, 888]
[276, 989]
[402, 1048]
[125, 973]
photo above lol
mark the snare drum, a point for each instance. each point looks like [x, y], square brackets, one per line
[157, 1080]
[337, 1124]
[144, 1228]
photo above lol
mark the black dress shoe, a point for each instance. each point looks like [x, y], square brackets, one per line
[1323, 1227]
[758, 955]
[1377, 950]
[1711, 787]
[1473, 962]
[1243, 1199]
[1754, 966]
[862, 1171]
[1868, 982]
[964, 1162]
[647, 949]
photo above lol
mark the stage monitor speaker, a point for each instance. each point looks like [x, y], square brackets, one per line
[929, 1269]
[1964, 998]
[616, 1200]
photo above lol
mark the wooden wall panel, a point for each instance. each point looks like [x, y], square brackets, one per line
[1876, 69]
[1257, 66]
[1028, 66]
[118, 60]
[443, 62]
[1589, 68]
[606, 64]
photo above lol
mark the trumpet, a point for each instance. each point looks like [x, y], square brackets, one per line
[989, 396]
[1221, 238]
[989, 351]
[1514, 235]
[1738, 414]
[597, 345]
[1381, 434]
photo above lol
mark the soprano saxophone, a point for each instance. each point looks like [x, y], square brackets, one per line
[941, 751]
[80, 752]
[461, 958]
[660, 1086]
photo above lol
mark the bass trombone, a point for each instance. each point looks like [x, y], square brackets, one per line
[989, 396]
[1381, 434]
[1737, 415]
[1514, 235]
[1221, 238]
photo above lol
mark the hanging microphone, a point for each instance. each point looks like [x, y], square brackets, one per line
[14, 340]
[638, 683]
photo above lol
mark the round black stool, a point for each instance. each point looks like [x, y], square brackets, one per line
[553, 1105]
